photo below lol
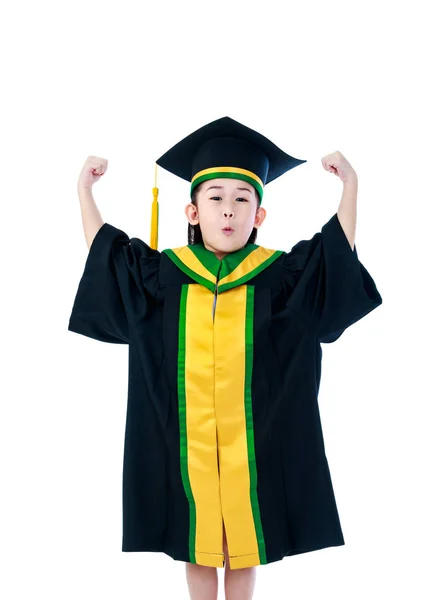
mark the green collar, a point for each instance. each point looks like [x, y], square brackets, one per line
[235, 269]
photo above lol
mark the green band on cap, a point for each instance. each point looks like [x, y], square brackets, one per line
[228, 173]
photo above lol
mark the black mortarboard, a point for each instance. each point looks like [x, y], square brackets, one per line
[225, 148]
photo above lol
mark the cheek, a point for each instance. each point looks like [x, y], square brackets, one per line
[251, 216]
[210, 212]
[208, 216]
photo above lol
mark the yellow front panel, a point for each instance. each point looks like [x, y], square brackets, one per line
[229, 345]
[201, 427]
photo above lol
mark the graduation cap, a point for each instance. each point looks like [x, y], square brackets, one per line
[220, 149]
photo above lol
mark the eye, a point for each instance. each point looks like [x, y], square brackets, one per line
[215, 197]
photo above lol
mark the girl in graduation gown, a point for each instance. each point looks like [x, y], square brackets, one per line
[224, 458]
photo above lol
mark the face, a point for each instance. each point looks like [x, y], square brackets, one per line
[226, 203]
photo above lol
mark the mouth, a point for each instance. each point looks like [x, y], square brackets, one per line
[228, 229]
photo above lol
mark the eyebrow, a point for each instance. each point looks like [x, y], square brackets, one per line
[221, 187]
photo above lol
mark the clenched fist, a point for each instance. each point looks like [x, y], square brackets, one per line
[93, 169]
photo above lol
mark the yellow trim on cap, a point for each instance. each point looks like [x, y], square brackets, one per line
[228, 170]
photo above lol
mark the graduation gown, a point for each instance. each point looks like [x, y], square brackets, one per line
[222, 421]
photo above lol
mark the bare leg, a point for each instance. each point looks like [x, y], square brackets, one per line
[202, 582]
[238, 583]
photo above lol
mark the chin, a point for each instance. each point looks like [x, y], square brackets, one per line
[226, 244]
[229, 242]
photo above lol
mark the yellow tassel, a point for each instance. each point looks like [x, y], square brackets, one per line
[155, 213]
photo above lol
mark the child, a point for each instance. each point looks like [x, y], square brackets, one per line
[224, 459]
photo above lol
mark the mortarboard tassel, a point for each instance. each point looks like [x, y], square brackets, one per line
[154, 219]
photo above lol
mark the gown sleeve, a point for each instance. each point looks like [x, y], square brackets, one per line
[327, 284]
[117, 286]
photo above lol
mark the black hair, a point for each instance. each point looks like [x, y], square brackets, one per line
[194, 235]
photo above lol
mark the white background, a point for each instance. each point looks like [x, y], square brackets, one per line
[126, 81]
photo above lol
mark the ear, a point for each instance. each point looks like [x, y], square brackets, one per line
[191, 212]
[259, 217]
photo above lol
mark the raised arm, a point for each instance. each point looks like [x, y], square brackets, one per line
[92, 170]
[337, 164]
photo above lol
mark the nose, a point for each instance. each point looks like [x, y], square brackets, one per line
[228, 213]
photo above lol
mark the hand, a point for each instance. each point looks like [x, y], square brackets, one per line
[337, 163]
[93, 169]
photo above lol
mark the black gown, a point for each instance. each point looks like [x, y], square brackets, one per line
[223, 423]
